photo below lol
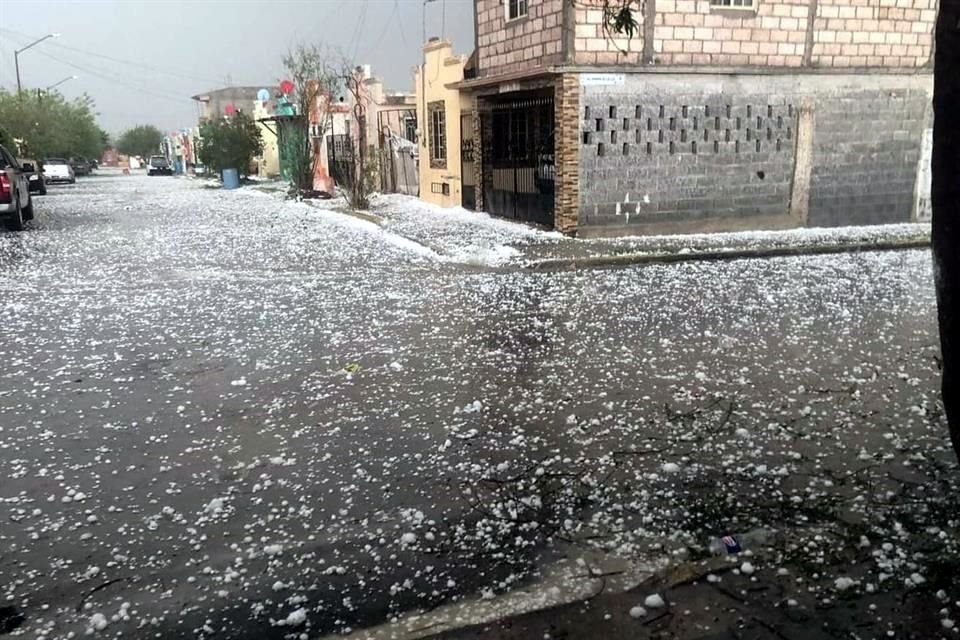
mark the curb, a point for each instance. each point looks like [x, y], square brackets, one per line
[369, 217]
[565, 585]
[626, 259]
[661, 581]
[360, 215]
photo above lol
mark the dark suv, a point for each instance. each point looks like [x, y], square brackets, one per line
[159, 166]
[80, 166]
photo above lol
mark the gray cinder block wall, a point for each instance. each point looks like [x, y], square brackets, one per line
[663, 153]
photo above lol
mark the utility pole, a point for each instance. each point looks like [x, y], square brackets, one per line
[423, 77]
[17, 52]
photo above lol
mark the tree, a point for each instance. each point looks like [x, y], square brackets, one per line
[315, 80]
[49, 125]
[945, 194]
[358, 185]
[143, 140]
[230, 142]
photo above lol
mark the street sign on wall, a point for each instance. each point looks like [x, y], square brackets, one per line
[602, 79]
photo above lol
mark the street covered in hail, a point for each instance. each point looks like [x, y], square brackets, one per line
[225, 414]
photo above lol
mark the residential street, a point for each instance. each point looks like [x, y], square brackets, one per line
[227, 415]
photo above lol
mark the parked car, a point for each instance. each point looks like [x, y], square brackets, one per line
[16, 205]
[80, 166]
[34, 170]
[159, 166]
[58, 170]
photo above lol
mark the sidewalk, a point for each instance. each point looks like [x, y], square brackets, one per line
[463, 236]
[479, 239]
[726, 246]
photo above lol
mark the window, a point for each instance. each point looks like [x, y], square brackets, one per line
[518, 9]
[732, 4]
[438, 135]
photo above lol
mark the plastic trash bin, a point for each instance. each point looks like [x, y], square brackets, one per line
[231, 179]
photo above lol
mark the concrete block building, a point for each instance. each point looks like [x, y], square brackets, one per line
[714, 115]
[214, 103]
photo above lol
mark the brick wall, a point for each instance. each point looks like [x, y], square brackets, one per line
[861, 33]
[719, 152]
[596, 44]
[691, 32]
[505, 47]
[867, 146]
[567, 180]
[657, 150]
[778, 33]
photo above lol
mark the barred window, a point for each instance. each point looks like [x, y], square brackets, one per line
[438, 135]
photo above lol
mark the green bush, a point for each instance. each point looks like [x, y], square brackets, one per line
[230, 142]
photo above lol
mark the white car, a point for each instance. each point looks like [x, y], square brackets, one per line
[16, 206]
[58, 170]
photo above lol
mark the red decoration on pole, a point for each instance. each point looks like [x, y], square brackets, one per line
[286, 87]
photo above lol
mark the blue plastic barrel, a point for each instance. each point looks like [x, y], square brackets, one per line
[231, 179]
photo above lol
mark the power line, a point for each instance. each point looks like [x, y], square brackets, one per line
[326, 12]
[403, 36]
[131, 63]
[358, 31]
[7, 55]
[386, 23]
[114, 79]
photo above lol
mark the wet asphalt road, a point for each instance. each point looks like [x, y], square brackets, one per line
[224, 409]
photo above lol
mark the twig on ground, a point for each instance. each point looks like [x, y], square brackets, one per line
[106, 584]
[637, 452]
[656, 618]
[727, 593]
[769, 627]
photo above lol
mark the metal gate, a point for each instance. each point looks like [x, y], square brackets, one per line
[468, 183]
[340, 159]
[520, 145]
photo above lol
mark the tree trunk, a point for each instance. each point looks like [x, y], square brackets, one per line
[946, 204]
[361, 186]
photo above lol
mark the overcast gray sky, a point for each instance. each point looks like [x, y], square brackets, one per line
[141, 60]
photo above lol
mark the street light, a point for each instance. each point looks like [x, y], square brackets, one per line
[57, 84]
[17, 52]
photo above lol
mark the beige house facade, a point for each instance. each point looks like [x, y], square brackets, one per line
[445, 128]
